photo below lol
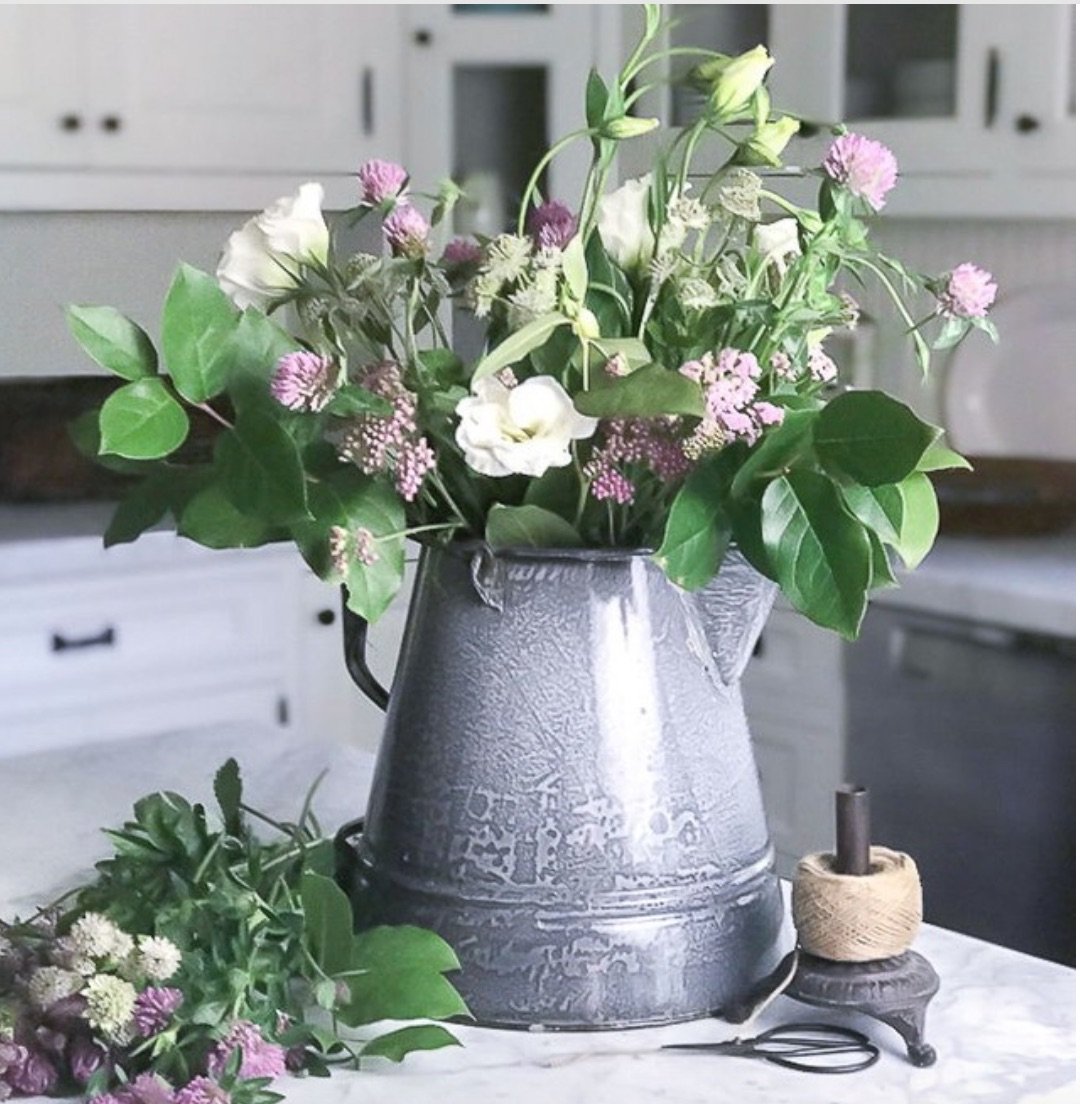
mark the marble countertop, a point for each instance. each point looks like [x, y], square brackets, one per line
[1003, 1023]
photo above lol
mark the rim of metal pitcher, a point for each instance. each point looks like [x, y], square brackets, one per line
[470, 547]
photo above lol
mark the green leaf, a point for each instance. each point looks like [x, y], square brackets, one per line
[558, 491]
[880, 509]
[142, 421]
[528, 527]
[821, 555]
[596, 98]
[920, 524]
[141, 509]
[746, 531]
[781, 447]
[401, 995]
[85, 433]
[698, 529]
[396, 1044]
[212, 520]
[881, 572]
[229, 791]
[113, 341]
[248, 356]
[404, 947]
[871, 437]
[939, 457]
[354, 501]
[328, 923]
[575, 270]
[649, 392]
[519, 344]
[354, 399]
[633, 351]
[261, 469]
[195, 328]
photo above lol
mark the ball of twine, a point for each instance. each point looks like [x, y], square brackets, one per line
[857, 918]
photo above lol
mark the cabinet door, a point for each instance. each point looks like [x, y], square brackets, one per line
[490, 87]
[43, 117]
[259, 88]
[920, 78]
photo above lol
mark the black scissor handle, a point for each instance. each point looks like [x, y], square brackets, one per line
[796, 1046]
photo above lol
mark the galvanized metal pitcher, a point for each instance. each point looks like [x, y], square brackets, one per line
[565, 789]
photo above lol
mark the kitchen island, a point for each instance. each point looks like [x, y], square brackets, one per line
[1003, 1024]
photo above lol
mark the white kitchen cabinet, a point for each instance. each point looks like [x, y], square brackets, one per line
[179, 106]
[976, 100]
[163, 635]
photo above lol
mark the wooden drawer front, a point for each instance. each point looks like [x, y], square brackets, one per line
[108, 629]
[796, 664]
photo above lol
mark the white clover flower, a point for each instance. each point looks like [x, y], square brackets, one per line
[739, 193]
[689, 211]
[110, 1002]
[521, 430]
[261, 260]
[96, 936]
[622, 218]
[507, 258]
[777, 242]
[49, 984]
[538, 296]
[158, 958]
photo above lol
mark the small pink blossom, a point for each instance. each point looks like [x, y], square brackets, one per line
[202, 1090]
[552, 225]
[154, 1007]
[968, 293]
[462, 252]
[406, 231]
[380, 181]
[781, 364]
[652, 443]
[822, 366]
[767, 413]
[865, 167]
[259, 1056]
[304, 381]
[366, 551]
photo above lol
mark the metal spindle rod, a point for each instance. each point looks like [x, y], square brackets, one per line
[853, 830]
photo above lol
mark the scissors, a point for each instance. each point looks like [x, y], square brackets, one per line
[808, 1047]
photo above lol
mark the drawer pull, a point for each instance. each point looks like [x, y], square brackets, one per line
[104, 639]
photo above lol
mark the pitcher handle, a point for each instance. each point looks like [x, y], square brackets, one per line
[355, 634]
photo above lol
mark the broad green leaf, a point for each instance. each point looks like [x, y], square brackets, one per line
[393, 994]
[939, 457]
[745, 516]
[261, 469]
[113, 341]
[229, 791]
[920, 524]
[633, 351]
[596, 98]
[778, 449]
[528, 527]
[396, 1044]
[821, 555]
[402, 947]
[248, 356]
[85, 433]
[698, 529]
[880, 509]
[871, 437]
[355, 501]
[328, 923]
[881, 572]
[575, 270]
[353, 399]
[140, 509]
[648, 392]
[519, 344]
[558, 491]
[212, 520]
[196, 326]
[142, 421]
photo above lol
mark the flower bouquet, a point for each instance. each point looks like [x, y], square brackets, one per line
[657, 372]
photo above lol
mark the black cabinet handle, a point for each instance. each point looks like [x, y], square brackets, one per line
[104, 639]
[1027, 123]
[326, 617]
[70, 122]
[111, 123]
[367, 101]
[993, 82]
[422, 37]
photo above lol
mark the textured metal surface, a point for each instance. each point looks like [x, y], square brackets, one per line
[894, 990]
[566, 792]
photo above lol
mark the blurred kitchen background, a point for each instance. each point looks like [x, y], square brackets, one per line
[133, 136]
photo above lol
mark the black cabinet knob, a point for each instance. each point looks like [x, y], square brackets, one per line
[70, 122]
[1027, 123]
[326, 617]
[111, 123]
[422, 37]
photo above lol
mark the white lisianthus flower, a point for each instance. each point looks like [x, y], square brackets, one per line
[777, 241]
[262, 259]
[522, 430]
[622, 217]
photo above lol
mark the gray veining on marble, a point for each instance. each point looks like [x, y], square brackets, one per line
[1003, 1024]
